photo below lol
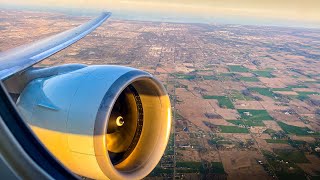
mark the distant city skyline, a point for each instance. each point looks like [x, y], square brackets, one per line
[292, 13]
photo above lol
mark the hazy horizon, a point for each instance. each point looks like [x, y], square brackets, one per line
[267, 13]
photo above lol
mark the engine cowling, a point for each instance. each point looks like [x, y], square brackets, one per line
[100, 121]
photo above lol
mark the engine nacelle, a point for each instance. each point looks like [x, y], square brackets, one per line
[100, 121]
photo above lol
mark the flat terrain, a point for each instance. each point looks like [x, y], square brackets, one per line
[246, 99]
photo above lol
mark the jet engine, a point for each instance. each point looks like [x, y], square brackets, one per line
[101, 122]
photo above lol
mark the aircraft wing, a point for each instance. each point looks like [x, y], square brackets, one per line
[121, 115]
[20, 58]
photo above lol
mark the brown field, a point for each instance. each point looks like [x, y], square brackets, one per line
[205, 73]
[286, 93]
[273, 106]
[264, 145]
[246, 74]
[243, 165]
[211, 155]
[228, 114]
[280, 146]
[262, 136]
[302, 138]
[252, 67]
[272, 82]
[272, 146]
[257, 129]
[313, 167]
[213, 87]
[264, 98]
[291, 119]
[253, 84]
[183, 69]
[301, 107]
[220, 122]
[317, 97]
[161, 70]
[272, 125]
[306, 90]
[188, 155]
[286, 80]
[221, 69]
[235, 136]
[191, 102]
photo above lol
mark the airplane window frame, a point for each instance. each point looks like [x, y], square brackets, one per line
[27, 140]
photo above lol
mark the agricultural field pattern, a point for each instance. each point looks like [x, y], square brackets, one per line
[245, 99]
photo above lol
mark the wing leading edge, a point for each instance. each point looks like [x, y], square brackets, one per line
[20, 58]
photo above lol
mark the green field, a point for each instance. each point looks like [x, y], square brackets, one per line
[236, 122]
[269, 131]
[254, 117]
[297, 143]
[170, 146]
[301, 98]
[304, 95]
[301, 131]
[187, 164]
[257, 115]
[185, 76]
[292, 156]
[238, 68]
[210, 77]
[196, 167]
[218, 140]
[212, 141]
[253, 123]
[277, 141]
[311, 82]
[224, 101]
[267, 74]
[283, 170]
[238, 95]
[158, 171]
[249, 79]
[281, 89]
[301, 95]
[308, 93]
[233, 129]
[217, 168]
[221, 142]
[263, 91]
[227, 74]
[189, 167]
[247, 122]
[297, 86]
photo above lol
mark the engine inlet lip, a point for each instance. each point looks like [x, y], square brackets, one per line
[100, 127]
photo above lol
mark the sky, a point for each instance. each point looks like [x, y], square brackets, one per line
[296, 13]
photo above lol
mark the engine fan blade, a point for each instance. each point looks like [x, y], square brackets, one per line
[123, 123]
